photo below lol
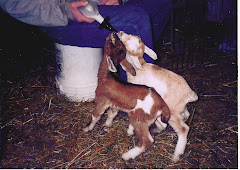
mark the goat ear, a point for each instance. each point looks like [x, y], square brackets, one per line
[111, 66]
[135, 61]
[150, 52]
[128, 67]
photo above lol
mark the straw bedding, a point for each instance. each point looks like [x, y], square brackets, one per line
[42, 129]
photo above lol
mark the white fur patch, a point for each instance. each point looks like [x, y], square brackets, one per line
[130, 130]
[132, 153]
[150, 52]
[158, 85]
[179, 150]
[150, 137]
[129, 58]
[133, 44]
[147, 77]
[92, 124]
[159, 125]
[145, 104]
[136, 62]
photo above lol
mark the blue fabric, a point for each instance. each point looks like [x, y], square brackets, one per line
[228, 44]
[131, 19]
[137, 17]
[159, 12]
[218, 10]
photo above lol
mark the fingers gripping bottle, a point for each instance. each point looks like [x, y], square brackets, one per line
[91, 11]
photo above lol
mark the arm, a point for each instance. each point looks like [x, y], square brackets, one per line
[124, 1]
[47, 13]
[112, 2]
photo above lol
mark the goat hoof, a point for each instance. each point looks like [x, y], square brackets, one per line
[175, 158]
[86, 129]
[108, 124]
[106, 129]
[157, 130]
[132, 153]
[130, 132]
[125, 157]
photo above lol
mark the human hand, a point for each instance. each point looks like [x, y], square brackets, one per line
[109, 2]
[76, 14]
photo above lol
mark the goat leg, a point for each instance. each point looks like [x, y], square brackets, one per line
[145, 140]
[130, 130]
[160, 126]
[181, 129]
[112, 113]
[97, 113]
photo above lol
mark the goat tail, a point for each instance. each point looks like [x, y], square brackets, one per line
[194, 97]
[166, 114]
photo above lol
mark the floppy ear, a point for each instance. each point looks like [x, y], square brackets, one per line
[111, 66]
[150, 52]
[128, 67]
[134, 60]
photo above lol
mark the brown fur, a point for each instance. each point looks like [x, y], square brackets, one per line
[114, 94]
[173, 88]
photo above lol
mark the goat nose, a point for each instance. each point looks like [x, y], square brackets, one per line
[120, 33]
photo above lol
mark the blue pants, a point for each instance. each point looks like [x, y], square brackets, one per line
[144, 18]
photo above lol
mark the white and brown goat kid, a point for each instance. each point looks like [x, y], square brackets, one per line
[143, 104]
[172, 87]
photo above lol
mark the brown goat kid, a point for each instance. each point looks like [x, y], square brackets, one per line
[143, 104]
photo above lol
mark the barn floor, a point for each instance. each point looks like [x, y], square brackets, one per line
[41, 129]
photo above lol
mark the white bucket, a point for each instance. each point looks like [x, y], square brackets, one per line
[77, 69]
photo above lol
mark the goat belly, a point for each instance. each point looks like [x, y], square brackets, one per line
[123, 96]
[139, 116]
[124, 102]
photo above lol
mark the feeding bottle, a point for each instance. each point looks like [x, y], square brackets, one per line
[91, 11]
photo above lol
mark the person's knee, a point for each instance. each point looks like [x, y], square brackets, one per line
[138, 13]
[139, 19]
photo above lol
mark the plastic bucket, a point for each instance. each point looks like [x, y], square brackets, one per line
[77, 69]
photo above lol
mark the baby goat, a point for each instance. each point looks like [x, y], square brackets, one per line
[143, 104]
[172, 87]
